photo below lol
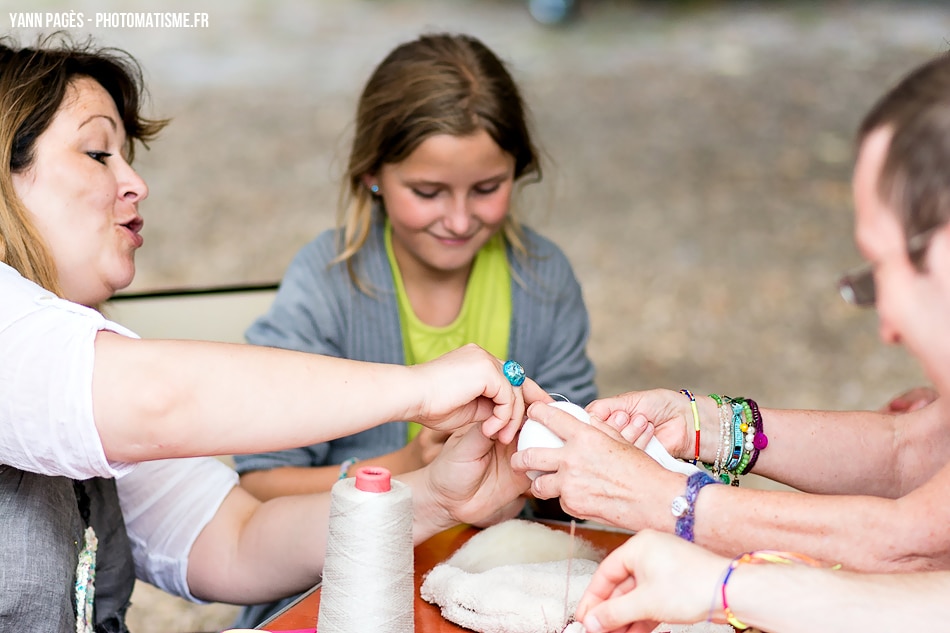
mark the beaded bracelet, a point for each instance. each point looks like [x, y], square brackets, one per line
[760, 441]
[748, 428]
[684, 507]
[725, 437]
[738, 439]
[346, 466]
[692, 404]
[741, 438]
[755, 558]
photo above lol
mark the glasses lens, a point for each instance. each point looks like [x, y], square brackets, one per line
[857, 288]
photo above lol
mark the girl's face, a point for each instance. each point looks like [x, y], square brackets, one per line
[445, 201]
[83, 195]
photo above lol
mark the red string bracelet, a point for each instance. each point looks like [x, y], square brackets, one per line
[692, 404]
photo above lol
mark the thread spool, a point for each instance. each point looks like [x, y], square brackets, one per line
[368, 572]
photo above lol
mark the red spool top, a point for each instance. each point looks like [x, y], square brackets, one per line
[373, 479]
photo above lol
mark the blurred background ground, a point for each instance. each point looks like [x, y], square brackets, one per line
[699, 156]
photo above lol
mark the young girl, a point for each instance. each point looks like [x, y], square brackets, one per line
[428, 257]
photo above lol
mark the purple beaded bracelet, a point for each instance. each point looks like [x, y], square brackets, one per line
[761, 440]
[683, 507]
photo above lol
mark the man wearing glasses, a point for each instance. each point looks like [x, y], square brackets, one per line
[874, 486]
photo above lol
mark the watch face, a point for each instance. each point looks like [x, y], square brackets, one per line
[680, 506]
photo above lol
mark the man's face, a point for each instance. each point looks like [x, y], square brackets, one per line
[913, 304]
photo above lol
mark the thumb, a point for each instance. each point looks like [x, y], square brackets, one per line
[617, 613]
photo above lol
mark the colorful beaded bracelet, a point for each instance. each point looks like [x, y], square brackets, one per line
[346, 466]
[761, 440]
[684, 507]
[741, 438]
[738, 439]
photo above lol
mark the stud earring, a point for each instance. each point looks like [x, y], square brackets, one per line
[374, 189]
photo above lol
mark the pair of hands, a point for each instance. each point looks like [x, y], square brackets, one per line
[472, 415]
[638, 585]
[601, 472]
[591, 474]
[477, 479]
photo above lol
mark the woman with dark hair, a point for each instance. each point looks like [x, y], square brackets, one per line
[83, 401]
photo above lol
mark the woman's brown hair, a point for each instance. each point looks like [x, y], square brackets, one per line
[33, 83]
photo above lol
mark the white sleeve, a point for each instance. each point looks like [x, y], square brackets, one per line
[47, 347]
[165, 505]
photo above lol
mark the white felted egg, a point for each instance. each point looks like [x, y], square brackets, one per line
[534, 434]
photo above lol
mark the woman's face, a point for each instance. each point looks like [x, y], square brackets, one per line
[446, 200]
[83, 195]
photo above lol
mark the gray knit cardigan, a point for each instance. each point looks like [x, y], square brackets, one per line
[318, 309]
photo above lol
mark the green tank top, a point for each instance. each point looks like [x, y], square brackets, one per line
[485, 317]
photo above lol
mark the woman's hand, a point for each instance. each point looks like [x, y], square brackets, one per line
[651, 578]
[430, 444]
[471, 481]
[467, 385]
[662, 413]
[599, 475]
[418, 453]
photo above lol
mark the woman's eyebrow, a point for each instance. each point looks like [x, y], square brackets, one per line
[104, 116]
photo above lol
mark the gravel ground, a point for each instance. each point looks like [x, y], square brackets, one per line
[699, 156]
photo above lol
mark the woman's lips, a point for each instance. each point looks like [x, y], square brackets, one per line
[133, 229]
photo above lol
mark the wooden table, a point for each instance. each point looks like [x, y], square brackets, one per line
[303, 613]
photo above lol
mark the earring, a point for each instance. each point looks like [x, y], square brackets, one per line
[374, 189]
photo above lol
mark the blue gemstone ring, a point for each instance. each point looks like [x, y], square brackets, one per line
[514, 372]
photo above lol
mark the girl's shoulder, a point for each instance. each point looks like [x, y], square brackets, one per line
[539, 250]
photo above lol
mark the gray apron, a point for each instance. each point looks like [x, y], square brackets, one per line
[42, 520]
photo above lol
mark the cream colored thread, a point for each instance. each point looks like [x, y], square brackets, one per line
[368, 574]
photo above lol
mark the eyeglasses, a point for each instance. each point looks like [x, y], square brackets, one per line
[857, 286]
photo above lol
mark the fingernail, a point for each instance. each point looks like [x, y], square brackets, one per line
[593, 625]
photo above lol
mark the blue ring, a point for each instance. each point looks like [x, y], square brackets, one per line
[514, 372]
